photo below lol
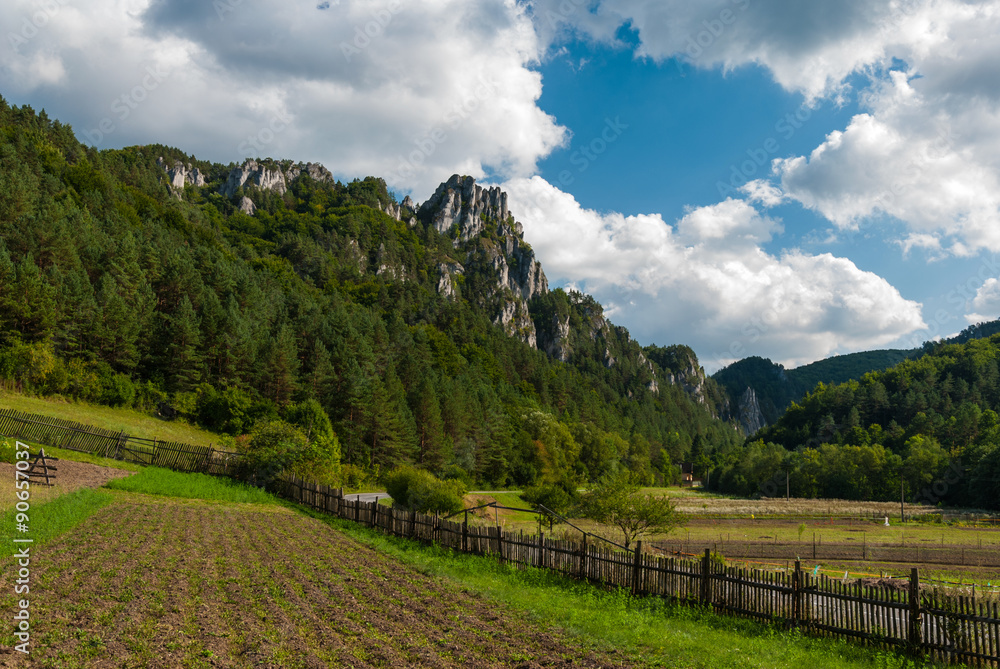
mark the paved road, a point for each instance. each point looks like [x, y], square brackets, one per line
[367, 496]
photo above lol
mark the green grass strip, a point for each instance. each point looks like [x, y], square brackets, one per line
[652, 631]
[50, 519]
[159, 481]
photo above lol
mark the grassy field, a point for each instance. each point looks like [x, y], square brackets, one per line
[766, 539]
[132, 422]
[142, 580]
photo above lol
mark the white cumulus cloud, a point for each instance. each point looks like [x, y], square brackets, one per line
[705, 280]
[408, 91]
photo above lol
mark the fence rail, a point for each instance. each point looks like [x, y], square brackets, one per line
[949, 628]
[116, 445]
[913, 618]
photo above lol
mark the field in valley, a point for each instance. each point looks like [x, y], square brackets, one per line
[836, 536]
[164, 582]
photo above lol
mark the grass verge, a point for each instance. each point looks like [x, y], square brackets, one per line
[158, 481]
[655, 632]
[133, 422]
[51, 519]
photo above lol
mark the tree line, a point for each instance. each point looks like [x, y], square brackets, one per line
[113, 290]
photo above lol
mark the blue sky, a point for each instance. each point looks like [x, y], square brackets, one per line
[864, 136]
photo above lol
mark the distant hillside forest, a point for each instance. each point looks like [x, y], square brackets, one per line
[319, 311]
[776, 387]
[929, 424]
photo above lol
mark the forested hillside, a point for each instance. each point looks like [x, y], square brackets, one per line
[236, 295]
[776, 387]
[931, 421]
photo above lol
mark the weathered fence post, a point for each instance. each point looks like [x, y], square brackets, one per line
[465, 533]
[436, 528]
[706, 574]
[541, 549]
[913, 635]
[637, 568]
[797, 593]
[583, 558]
[374, 513]
[500, 543]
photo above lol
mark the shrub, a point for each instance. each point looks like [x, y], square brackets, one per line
[7, 449]
[117, 390]
[356, 478]
[419, 490]
[225, 411]
[273, 447]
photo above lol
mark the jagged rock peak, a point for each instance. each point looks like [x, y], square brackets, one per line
[180, 175]
[255, 174]
[750, 416]
[460, 201]
[271, 178]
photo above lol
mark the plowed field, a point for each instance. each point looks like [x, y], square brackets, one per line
[156, 582]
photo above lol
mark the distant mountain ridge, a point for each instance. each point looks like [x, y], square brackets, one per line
[776, 388]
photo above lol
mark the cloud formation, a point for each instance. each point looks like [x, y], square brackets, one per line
[706, 280]
[926, 150]
[408, 91]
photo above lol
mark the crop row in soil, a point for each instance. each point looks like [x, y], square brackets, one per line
[165, 583]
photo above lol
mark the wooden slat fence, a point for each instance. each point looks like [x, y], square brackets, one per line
[951, 629]
[946, 627]
[117, 445]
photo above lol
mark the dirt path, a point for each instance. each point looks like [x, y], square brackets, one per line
[154, 582]
[70, 476]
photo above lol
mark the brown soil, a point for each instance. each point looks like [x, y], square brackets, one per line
[155, 583]
[69, 476]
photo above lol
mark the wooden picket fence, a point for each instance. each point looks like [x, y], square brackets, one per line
[911, 618]
[946, 627]
[117, 445]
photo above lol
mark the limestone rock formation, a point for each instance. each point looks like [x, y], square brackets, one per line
[254, 174]
[481, 225]
[461, 202]
[247, 206]
[180, 175]
[446, 283]
[271, 177]
[750, 417]
[557, 345]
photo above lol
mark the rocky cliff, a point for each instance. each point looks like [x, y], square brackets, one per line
[271, 177]
[750, 417]
[489, 241]
[180, 175]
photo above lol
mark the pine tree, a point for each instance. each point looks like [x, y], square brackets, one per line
[430, 427]
[183, 354]
[281, 367]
